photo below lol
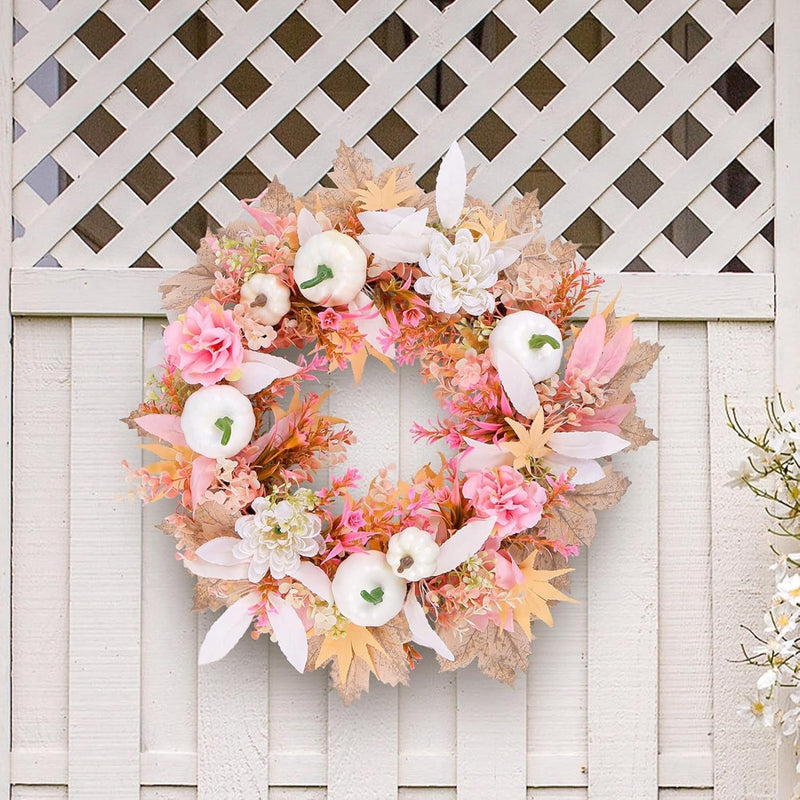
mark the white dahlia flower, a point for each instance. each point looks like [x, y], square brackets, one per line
[278, 534]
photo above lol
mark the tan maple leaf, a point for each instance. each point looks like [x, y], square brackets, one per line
[205, 596]
[536, 593]
[385, 197]
[277, 198]
[500, 653]
[639, 362]
[531, 442]
[523, 214]
[351, 169]
[575, 522]
[360, 652]
[633, 428]
[189, 286]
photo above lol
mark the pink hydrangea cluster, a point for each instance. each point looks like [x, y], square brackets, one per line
[503, 493]
[205, 343]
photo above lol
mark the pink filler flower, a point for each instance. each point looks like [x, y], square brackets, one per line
[205, 343]
[503, 493]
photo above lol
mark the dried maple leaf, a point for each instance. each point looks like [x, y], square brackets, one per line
[633, 428]
[531, 442]
[575, 522]
[277, 199]
[361, 652]
[205, 596]
[191, 285]
[639, 362]
[385, 197]
[499, 652]
[523, 214]
[211, 520]
[351, 169]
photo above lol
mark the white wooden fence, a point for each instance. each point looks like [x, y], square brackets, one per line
[650, 127]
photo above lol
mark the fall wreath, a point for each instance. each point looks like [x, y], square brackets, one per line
[460, 557]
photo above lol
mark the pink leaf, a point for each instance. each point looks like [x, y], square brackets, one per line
[614, 354]
[421, 631]
[164, 426]
[587, 349]
[464, 543]
[606, 419]
[507, 573]
[371, 325]
[203, 475]
[289, 631]
[228, 629]
[266, 219]
[307, 226]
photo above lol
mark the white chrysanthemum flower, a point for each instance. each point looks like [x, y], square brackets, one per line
[458, 275]
[278, 534]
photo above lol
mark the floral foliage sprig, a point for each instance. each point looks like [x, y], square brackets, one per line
[461, 556]
[771, 471]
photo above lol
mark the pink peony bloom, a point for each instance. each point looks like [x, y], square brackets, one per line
[204, 343]
[503, 493]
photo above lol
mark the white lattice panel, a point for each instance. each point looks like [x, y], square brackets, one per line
[646, 125]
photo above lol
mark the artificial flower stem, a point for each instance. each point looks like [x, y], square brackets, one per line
[225, 424]
[374, 597]
[539, 340]
[324, 273]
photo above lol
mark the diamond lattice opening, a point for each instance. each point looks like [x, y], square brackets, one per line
[490, 134]
[541, 179]
[638, 183]
[246, 83]
[197, 34]
[540, 85]
[686, 232]
[295, 133]
[687, 37]
[343, 85]
[441, 85]
[295, 35]
[148, 83]
[393, 36]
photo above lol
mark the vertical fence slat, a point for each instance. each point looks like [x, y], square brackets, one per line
[40, 558]
[623, 624]
[169, 629]
[740, 366]
[490, 712]
[105, 563]
[233, 722]
[369, 726]
[787, 246]
[6, 137]
[685, 660]
[431, 695]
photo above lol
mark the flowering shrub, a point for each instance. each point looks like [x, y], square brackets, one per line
[771, 470]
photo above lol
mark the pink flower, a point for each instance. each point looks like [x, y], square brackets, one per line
[330, 320]
[469, 370]
[204, 343]
[412, 317]
[505, 494]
